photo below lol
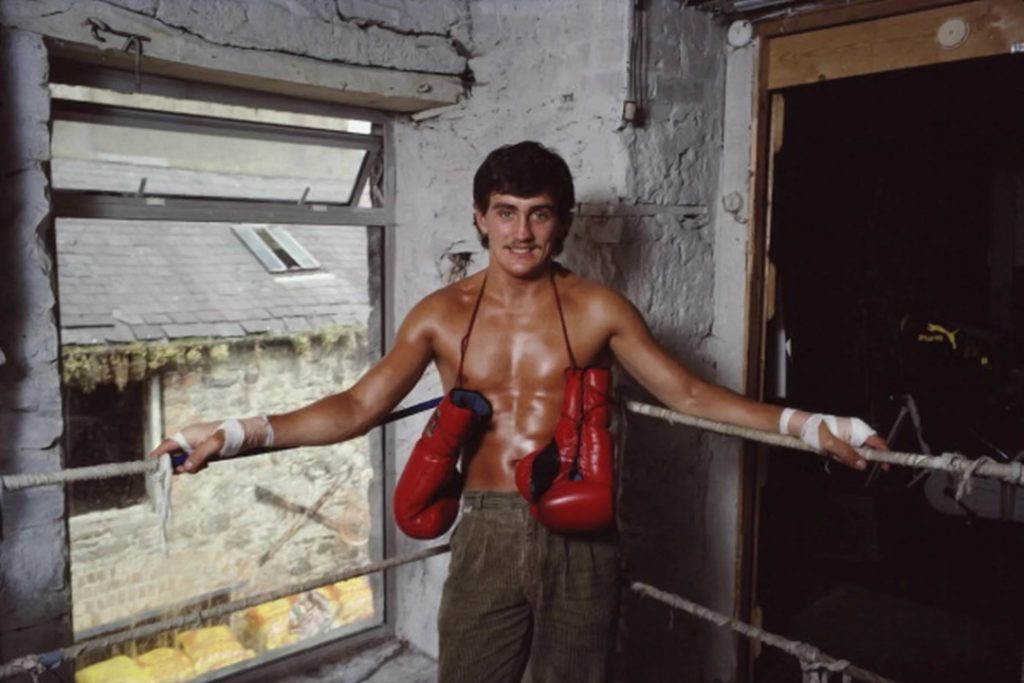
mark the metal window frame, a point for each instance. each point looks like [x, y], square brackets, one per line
[71, 72]
[95, 204]
[379, 219]
[148, 119]
[75, 204]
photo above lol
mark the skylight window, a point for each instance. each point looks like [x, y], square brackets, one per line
[276, 248]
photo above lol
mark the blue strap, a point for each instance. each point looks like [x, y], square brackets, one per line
[178, 458]
[403, 413]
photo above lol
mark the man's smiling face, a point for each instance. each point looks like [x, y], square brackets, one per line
[523, 233]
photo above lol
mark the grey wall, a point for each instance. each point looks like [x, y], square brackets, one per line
[405, 35]
[550, 70]
[397, 55]
[679, 488]
[547, 70]
[556, 72]
[34, 600]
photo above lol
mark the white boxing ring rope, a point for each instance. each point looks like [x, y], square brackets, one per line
[817, 666]
[193, 619]
[1012, 472]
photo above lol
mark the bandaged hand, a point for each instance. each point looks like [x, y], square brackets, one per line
[204, 440]
[836, 435]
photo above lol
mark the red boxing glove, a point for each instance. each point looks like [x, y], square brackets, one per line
[426, 500]
[536, 472]
[570, 482]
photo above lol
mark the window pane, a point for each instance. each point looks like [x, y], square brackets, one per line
[177, 105]
[128, 160]
[167, 323]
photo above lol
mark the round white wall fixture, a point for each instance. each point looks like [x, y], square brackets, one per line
[952, 33]
[740, 33]
[732, 202]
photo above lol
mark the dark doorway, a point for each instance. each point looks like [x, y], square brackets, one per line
[898, 236]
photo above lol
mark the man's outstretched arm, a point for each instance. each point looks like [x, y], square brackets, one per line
[681, 390]
[332, 419]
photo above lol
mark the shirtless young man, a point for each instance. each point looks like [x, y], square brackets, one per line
[516, 590]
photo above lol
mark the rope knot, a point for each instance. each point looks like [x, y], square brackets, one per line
[817, 668]
[1017, 470]
[963, 470]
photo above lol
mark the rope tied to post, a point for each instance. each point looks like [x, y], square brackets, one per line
[1012, 472]
[968, 468]
[816, 671]
[818, 667]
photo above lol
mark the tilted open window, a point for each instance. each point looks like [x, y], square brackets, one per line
[219, 254]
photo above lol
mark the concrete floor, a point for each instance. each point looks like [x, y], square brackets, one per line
[391, 662]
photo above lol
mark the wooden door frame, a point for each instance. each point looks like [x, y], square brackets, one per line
[870, 37]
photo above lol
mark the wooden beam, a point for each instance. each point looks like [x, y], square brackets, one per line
[178, 54]
[989, 27]
[798, 21]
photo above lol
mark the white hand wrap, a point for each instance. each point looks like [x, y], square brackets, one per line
[239, 435]
[179, 438]
[852, 430]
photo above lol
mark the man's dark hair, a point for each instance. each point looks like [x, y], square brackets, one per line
[526, 169]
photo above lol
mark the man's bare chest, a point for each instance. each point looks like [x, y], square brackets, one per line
[506, 352]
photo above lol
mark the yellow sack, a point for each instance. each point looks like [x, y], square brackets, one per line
[166, 665]
[212, 648]
[219, 655]
[119, 669]
[267, 625]
[356, 599]
[201, 637]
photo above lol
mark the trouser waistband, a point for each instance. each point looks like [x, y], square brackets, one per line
[479, 500]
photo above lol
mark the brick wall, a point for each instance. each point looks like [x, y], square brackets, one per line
[219, 529]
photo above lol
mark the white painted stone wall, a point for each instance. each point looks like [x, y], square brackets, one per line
[556, 72]
[679, 499]
[397, 34]
[398, 55]
[317, 45]
[34, 601]
[551, 71]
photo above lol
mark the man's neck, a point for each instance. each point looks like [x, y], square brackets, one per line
[512, 289]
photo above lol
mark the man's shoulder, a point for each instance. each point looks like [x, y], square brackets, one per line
[586, 292]
[438, 314]
[449, 299]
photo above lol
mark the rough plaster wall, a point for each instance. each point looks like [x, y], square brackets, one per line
[34, 599]
[550, 71]
[350, 31]
[556, 72]
[397, 34]
[681, 537]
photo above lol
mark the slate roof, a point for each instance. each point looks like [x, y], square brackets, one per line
[129, 281]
